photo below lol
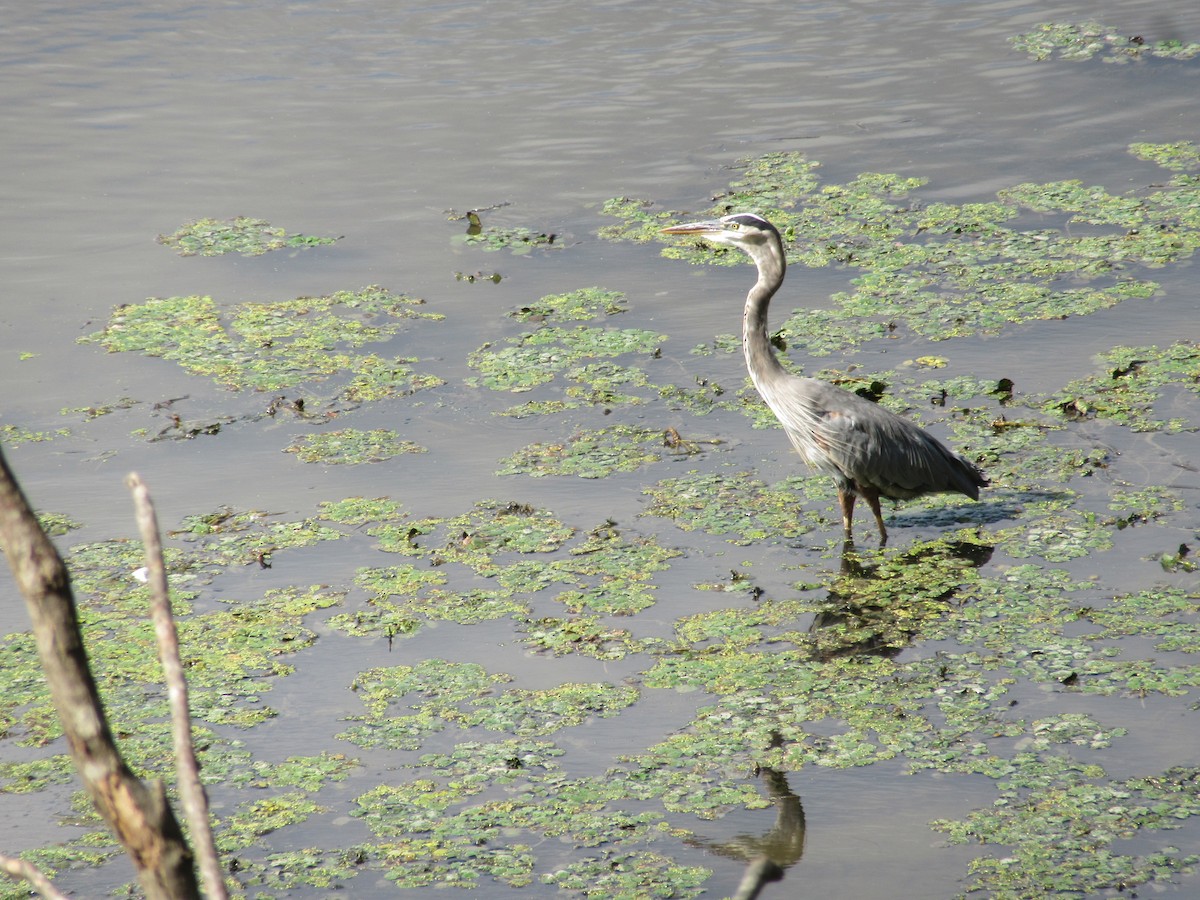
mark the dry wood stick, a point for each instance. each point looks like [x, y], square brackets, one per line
[191, 791]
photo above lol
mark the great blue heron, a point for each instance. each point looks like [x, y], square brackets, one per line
[870, 451]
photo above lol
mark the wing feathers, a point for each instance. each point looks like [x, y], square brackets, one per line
[856, 440]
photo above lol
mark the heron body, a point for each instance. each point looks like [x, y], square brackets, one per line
[870, 452]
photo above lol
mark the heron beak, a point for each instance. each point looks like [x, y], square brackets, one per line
[695, 228]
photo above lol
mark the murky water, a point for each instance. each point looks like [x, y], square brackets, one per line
[123, 120]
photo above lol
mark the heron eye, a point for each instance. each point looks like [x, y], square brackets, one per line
[733, 226]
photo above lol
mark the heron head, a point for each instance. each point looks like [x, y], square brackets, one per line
[740, 230]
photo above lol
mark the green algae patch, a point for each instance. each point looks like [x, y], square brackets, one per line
[57, 524]
[582, 305]
[1180, 156]
[444, 694]
[1058, 537]
[305, 773]
[309, 867]
[361, 510]
[772, 184]
[580, 366]
[242, 648]
[616, 874]
[13, 436]
[735, 504]
[479, 537]
[226, 537]
[457, 860]
[351, 447]
[524, 712]
[442, 688]
[277, 346]
[401, 598]
[1167, 616]
[595, 453]
[517, 239]
[1087, 40]
[1133, 381]
[1064, 835]
[242, 235]
[605, 573]
[585, 635]
[537, 357]
[247, 826]
[583, 361]
[494, 527]
[482, 810]
[1140, 507]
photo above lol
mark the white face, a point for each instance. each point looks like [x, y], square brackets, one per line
[739, 229]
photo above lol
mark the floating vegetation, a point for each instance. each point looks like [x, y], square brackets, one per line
[582, 356]
[597, 453]
[585, 635]
[361, 510]
[1139, 507]
[1059, 537]
[276, 346]
[523, 712]
[1089, 39]
[249, 237]
[605, 573]
[226, 537]
[401, 598]
[772, 184]
[1181, 156]
[462, 693]
[576, 306]
[518, 240]
[14, 435]
[736, 504]
[537, 357]
[1134, 379]
[350, 447]
[1061, 829]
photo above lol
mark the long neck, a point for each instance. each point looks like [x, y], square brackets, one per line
[756, 344]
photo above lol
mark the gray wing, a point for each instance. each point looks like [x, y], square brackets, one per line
[850, 437]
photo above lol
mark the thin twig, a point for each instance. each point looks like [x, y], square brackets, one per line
[23, 868]
[191, 791]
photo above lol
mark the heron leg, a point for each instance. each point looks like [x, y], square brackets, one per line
[872, 498]
[846, 498]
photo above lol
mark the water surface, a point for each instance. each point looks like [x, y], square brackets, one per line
[370, 120]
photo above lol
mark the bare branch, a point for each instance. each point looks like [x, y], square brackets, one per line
[191, 790]
[137, 812]
[21, 868]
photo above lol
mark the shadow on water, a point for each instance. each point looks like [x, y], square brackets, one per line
[868, 610]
